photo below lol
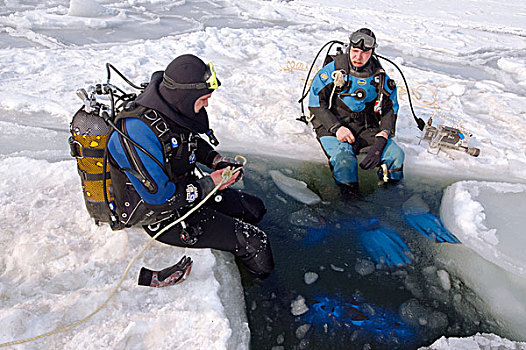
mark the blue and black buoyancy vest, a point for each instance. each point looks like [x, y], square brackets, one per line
[138, 199]
[365, 97]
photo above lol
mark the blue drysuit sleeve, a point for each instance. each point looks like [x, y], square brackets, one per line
[320, 91]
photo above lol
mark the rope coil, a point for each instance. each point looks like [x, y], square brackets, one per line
[339, 81]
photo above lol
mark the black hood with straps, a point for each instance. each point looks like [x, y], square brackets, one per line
[178, 104]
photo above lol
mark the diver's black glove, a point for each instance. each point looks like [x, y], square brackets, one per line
[168, 276]
[221, 162]
[374, 155]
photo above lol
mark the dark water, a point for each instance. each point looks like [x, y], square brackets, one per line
[353, 303]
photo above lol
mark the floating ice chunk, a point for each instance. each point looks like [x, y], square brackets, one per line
[298, 306]
[294, 188]
[281, 198]
[337, 268]
[445, 282]
[302, 330]
[306, 217]
[310, 277]
[412, 284]
[364, 267]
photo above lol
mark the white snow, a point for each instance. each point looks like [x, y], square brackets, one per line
[58, 267]
[86, 8]
[465, 62]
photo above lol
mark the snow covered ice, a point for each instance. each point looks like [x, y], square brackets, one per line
[487, 217]
[465, 61]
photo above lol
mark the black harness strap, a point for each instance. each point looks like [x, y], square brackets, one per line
[92, 177]
[172, 143]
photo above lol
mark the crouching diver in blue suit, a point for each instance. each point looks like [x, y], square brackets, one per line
[354, 107]
[166, 120]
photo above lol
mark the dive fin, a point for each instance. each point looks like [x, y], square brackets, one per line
[417, 214]
[431, 227]
[384, 245]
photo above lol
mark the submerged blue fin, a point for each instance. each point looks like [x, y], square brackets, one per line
[372, 321]
[431, 227]
[384, 245]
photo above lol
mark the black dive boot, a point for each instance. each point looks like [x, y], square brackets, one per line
[253, 249]
[350, 191]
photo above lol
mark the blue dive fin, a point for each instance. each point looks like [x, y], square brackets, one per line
[384, 246]
[431, 227]
[371, 321]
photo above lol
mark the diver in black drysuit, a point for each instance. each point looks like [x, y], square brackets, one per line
[166, 119]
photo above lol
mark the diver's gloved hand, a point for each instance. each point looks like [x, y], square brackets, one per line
[383, 245]
[374, 155]
[166, 277]
[221, 162]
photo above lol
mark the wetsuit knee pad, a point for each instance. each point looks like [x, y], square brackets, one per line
[253, 249]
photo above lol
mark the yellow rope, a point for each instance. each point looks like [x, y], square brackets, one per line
[433, 105]
[225, 176]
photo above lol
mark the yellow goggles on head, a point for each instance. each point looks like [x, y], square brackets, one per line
[209, 81]
[210, 77]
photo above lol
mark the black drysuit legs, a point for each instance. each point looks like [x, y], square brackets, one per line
[225, 222]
